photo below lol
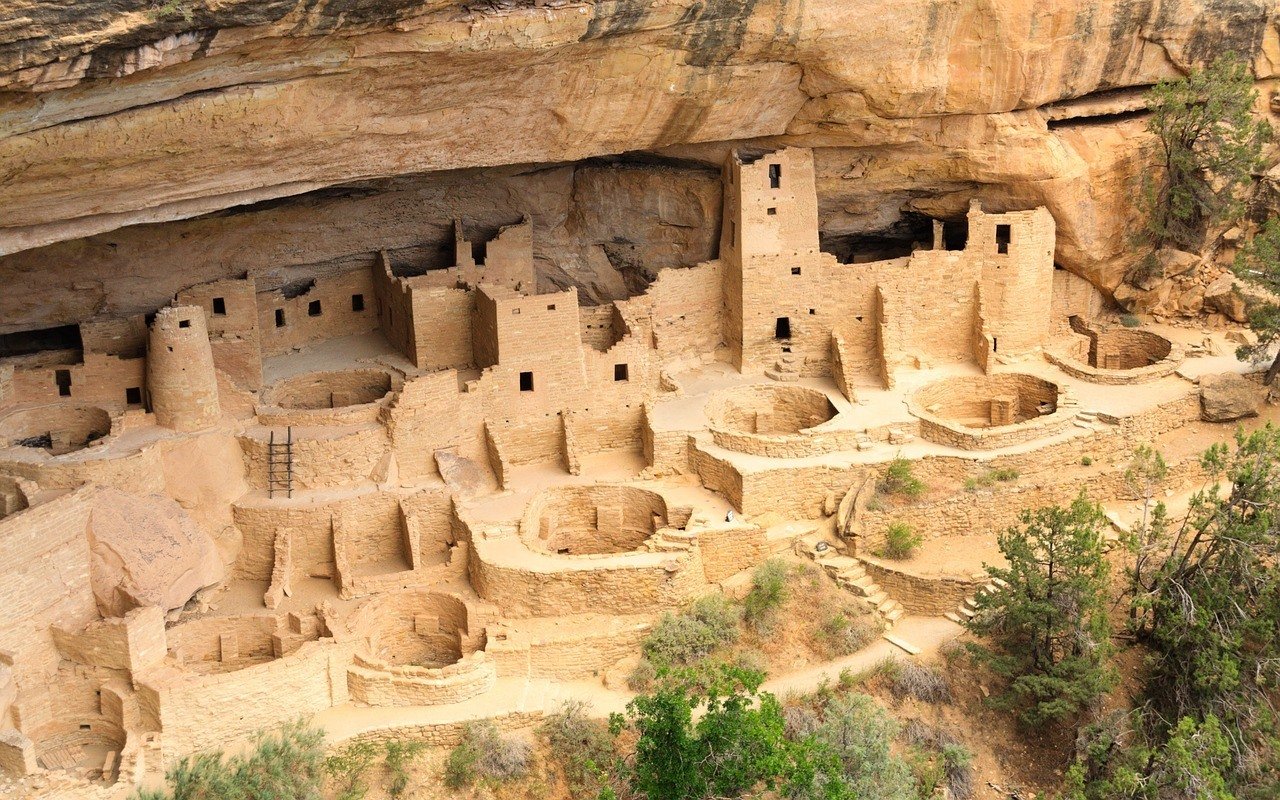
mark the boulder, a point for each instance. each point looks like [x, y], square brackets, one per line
[1228, 397]
[1230, 304]
[146, 551]
[1191, 302]
[1175, 262]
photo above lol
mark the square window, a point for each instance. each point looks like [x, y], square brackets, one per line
[773, 212]
[133, 396]
[795, 270]
[813, 311]
[620, 372]
[184, 323]
[313, 308]
[526, 381]
[279, 317]
[357, 302]
[219, 307]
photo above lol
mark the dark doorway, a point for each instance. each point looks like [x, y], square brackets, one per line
[775, 176]
[219, 306]
[526, 381]
[1004, 235]
[62, 377]
[782, 328]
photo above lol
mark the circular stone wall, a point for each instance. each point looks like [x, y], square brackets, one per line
[415, 628]
[989, 411]
[326, 390]
[59, 428]
[79, 746]
[593, 520]
[1118, 355]
[769, 409]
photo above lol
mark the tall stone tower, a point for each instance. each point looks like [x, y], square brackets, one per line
[180, 375]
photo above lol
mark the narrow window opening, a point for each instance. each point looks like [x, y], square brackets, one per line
[813, 311]
[795, 270]
[313, 308]
[1004, 235]
[858, 318]
[773, 212]
[62, 377]
[279, 317]
[184, 323]
[782, 328]
[357, 302]
[620, 372]
[133, 396]
[551, 307]
[219, 307]
[995, 345]
[775, 176]
[526, 381]
[84, 726]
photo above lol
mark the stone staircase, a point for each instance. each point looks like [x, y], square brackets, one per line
[851, 575]
[969, 608]
[784, 369]
[670, 540]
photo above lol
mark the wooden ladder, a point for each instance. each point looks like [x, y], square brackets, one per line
[280, 464]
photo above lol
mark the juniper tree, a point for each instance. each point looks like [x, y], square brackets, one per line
[1208, 143]
[1258, 263]
[1048, 627]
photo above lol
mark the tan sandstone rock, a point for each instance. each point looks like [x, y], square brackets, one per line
[147, 551]
[1228, 397]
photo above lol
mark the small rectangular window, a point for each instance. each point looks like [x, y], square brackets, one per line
[620, 372]
[551, 307]
[279, 317]
[526, 381]
[357, 302]
[184, 323]
[795, 270]
[813, 311]
[1004, 235]
[62, 377]
[775, 176]
[133, 396]
[313, 308]
[773, 212]
[219, 307]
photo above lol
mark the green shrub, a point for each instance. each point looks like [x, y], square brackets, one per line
[582, 746]
[900, 479]
[900, 542]
[286, 765]
[768, 593]
[991, 477]
[957, 763]
[843, 633]
[642, 676]
[347, 769]
[399, 755]
[485, 754]
[1130, 321]
[679, 640]
[1087, 461]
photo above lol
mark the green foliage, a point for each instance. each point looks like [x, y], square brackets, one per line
[1205, 599]
[1049, 626]
[679, 640]
[943, 759]
[347, 769]
[899, 479]
[990, 478]
[1087, 461]
[768, 593]
[642, 676]
[1258, 263]
[736, 744]
[171, 7]
[1209, 144]
[853, 755]
[900, 542]
[1120, 762]
[286, 765]
[582, 746]
[1130, 321]
[485, 754]
[399, 755]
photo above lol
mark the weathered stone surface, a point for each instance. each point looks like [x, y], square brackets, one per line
[1222, 296]
[916, 105]
[146, 551]
[1229, 397]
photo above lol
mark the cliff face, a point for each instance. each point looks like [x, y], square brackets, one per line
[118, 112]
